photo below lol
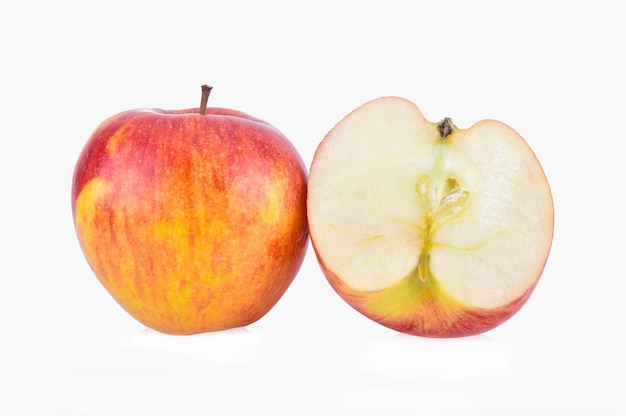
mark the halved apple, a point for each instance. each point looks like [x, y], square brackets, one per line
[427, 228]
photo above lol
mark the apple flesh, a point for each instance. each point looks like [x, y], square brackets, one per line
[193, 220]
[427, 228]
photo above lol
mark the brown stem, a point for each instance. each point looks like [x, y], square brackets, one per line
[206, 90]
[445, 127]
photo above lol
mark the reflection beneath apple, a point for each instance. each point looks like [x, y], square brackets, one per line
[431, 359]
[216, 348]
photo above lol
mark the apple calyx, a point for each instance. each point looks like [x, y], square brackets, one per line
[206, 90]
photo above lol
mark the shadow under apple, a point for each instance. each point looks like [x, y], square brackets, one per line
[402, 356]
[219, 348]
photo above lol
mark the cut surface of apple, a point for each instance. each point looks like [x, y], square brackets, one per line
[427, 228]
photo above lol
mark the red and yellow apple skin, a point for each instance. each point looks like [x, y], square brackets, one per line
[192, 222]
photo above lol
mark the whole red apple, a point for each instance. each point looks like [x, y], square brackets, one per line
[193, 220]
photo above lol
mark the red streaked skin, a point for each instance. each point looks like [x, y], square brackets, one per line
[193, 223]
[423, 310]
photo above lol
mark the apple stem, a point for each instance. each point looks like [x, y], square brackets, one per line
[206, 90]
[445, 127]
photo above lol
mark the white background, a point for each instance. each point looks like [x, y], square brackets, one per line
[552, 70]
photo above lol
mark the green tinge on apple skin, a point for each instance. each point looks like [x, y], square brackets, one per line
[426, 309]
[410, 294]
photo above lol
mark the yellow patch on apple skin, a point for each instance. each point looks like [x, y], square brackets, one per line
[104, 240]
[93, 191]
[120, 135]
[272, 213]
